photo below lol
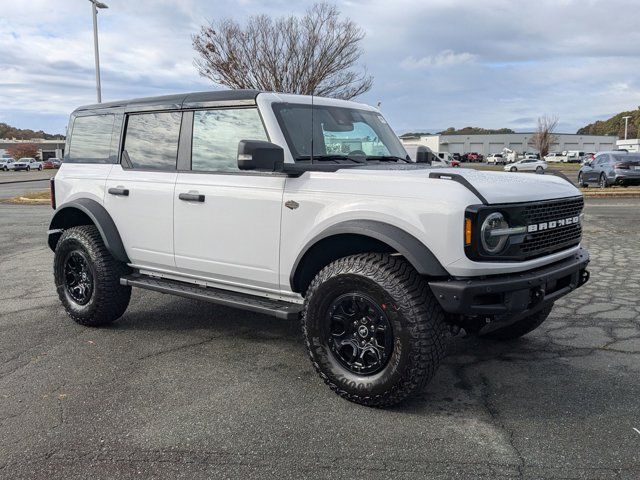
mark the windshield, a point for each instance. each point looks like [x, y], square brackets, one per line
[338, 132]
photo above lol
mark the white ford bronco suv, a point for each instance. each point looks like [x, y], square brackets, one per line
[307, 207]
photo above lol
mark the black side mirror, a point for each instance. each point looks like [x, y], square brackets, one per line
[422, 155]
[260, 155]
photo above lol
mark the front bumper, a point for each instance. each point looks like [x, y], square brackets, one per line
[513, 293]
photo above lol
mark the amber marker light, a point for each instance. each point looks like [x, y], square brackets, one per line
[467, 231]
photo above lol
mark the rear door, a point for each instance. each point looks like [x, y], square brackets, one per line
[227, 221]
[139, 190]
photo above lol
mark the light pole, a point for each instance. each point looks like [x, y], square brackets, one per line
[95, 5]
[626, 124]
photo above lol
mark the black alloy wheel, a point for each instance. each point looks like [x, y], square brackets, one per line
[78, 277]
[360, 335]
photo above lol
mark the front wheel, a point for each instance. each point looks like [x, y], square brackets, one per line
[581, 182]
[87, 278]
[521, 327]
[513, 169]
[373, 329]
[28, 169]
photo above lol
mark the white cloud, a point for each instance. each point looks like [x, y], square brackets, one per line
[446, 58]
[435, 64]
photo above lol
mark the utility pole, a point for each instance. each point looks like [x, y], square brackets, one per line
[626, 124]
[95, 5]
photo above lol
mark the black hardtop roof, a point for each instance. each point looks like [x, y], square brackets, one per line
[179, 100]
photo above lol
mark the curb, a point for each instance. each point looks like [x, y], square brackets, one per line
[611, 194]
[25, 181]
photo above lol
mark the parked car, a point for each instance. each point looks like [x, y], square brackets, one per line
[587, 157]
[379, 258]
[457, 156]
[473, 157]
[47, 164]
[611, 168]
[56, 162]
[554, 157]
[535, 156]
[527, 165]
[496, 159]
[573, 156]
[4, 163]
[26, 163]
[423, 154]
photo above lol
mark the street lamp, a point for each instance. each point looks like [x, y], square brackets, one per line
[626, 124]
[95, 5]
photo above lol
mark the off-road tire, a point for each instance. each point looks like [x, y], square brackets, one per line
[109, 299]
[521, 327]
[420, 335]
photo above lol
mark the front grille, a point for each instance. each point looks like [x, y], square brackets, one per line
[548, 241]
[553, 210]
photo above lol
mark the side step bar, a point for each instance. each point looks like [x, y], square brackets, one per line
[267, 306]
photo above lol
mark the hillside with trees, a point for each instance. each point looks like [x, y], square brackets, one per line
[615, 125]
[7, 131]
[461, 131]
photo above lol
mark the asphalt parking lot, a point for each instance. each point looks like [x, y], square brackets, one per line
[183, 389]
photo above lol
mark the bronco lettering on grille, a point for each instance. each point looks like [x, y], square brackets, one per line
[538, 227]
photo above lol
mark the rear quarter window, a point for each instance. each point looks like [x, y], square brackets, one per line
[90, 140]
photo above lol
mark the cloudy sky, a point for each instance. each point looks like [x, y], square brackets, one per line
[436, 63]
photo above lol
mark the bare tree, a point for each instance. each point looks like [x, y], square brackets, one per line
[312, 54]
[544, 137]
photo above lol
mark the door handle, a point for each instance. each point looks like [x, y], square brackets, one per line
[122, 192]
[191, 197]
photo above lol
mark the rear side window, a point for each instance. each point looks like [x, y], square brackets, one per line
[151, 140]
[216, 134]
[90, 140]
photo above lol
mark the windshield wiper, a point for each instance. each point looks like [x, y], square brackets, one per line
[386, 158]
[330, 158]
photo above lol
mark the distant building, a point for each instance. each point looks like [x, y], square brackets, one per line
[631, 145]
[47, 148]
[519, 142]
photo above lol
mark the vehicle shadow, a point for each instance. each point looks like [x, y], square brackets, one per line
[531, 376]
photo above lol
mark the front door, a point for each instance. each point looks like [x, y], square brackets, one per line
[139, 191]
[227, 222]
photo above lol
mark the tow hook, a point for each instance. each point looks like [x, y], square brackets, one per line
[538, 296]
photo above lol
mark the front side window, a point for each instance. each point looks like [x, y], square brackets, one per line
[216, 134]
[90, 139]
[151, 140]
[337, 132]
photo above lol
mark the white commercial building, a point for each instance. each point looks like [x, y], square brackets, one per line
[631, 145]
[519, 142]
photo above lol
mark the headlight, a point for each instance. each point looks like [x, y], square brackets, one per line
[494, 233]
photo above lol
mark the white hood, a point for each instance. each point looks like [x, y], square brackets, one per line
[502, 187]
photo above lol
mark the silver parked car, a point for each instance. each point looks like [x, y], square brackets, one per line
[4, 163]
[527, 165]
[26, 163]
[611, 168]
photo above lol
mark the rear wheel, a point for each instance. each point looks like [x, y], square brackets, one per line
[539, 169]
[374, 332]
[602, 182]
[87, 278]
[521, 327]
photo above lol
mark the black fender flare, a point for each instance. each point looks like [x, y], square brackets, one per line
[98, 216]
[416, 252]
